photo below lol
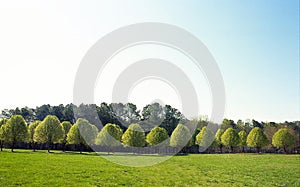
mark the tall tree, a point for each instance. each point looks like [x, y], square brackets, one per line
[28, 114]
[283, 139]
[43, 111]
[49, 131]
[218, 140]
[2, 122]
[106, 115]
[110, 136]
[228, 123]
[256, 138]
[14, 130]
[126, 114]
[82, 133]
[152, 115]
[230, 138]
[134, 136]
[31, 131]
[172, 118]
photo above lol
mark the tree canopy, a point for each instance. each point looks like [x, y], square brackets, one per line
[205, 137]
[14, 130]
[82, 132]
[110, 136]
[283, 139]
[156, 136]
[257, 138]
[134, 136]
[31, 130]
[181, 136]
[230, 138]
[49, 131]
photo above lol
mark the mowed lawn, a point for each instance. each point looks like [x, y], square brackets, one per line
[71, 169]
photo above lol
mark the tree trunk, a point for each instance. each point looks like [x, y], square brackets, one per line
[243, 149]
[221, 146]
[63, 147]
[257, 149]
[13, 146]
[284, 148]
[33, 146]
[80, 148]
[49, 146]
[1, 145]
[231, 148]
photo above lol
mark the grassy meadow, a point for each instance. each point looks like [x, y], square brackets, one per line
[28, 168]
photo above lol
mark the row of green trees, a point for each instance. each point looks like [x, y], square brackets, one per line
[51, 130]
[255, 139]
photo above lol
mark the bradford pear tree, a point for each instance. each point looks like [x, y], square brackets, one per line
[230, 138]
[204, 138]
[181, 136]
[110, 136]
[31, 131]
[134, 136]
[2, 122]
[157, 136]
[243, 139]
[66, 125]
[283, 139]
[14, 130]
[256, 138]
[49, 131]
[218, 141]
[82, 133]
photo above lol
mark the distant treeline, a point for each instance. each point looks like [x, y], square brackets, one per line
[156, 122]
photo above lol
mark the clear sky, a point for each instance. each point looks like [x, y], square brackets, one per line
[255, 43]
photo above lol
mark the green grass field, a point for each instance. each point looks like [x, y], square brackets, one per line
[71, 169]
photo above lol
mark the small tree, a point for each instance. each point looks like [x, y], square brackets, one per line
[218, 141]
[14, 130]
[31, 131]
[66, 126]
[283, 139]
[2, 122]
[110, 136]
[230, 138]
[49, 131]
[134, 136]
[256, 138]
[156, 136]
[181, 136]
[243, 139]
[204, 138]
[82, 133]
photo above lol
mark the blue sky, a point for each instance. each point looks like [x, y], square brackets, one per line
[255, 43]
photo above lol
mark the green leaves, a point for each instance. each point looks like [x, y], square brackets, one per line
[156, 136]
[49, 131]
[257, 138]
[230, 137]
[205, 137]
[181, 136]
[242, 138]
[110, 135]
[134, 136]
[283, 138]
[31, 130]
[14, 130]
[82, 132]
